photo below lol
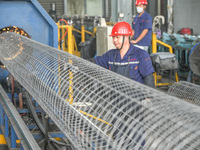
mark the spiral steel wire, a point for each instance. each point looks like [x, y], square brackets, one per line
[187, 91]
[96, 108]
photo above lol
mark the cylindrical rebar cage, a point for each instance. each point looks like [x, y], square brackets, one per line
[97, 108]
[187, 91]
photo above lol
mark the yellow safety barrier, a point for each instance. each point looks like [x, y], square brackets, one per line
[2, 139]
[71, 46]
[154, 50]
[154, 44]
[69, 43]
[83, 31]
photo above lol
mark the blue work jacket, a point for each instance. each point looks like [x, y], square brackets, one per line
[141, 23]
[139, 61]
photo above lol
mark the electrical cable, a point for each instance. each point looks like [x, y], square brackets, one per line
[65, 31]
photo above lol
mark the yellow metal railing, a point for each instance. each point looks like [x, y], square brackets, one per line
[71, 46]
[154, 44]
[154, 50]
[83, 31]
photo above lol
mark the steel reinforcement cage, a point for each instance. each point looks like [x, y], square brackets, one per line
[187, 91]
[96, 108]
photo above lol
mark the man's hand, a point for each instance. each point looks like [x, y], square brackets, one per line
[133, 41]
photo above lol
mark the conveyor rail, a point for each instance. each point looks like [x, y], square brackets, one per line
[21, 130]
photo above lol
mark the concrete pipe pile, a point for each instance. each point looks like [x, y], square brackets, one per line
[96, 108]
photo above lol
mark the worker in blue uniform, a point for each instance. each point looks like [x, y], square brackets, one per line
[142, 26]
[134, 63]
[126, 59]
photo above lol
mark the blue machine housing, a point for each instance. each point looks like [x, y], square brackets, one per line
[30, 16]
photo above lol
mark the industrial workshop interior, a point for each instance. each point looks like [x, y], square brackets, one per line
[99, 75]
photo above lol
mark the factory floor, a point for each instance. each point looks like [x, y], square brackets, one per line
[163, 89]
[3, 147]
[165, 79]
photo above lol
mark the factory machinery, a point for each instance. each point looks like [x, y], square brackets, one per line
[77, 35]
[94, 107]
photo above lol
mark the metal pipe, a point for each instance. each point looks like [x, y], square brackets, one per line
[85, 7]
[159, 7]
[170, 7]
[65, 7]
[108, 111]
[70, 40]
[53, 6]
[82, 33]
[20, 101]
[166, 45]
[104, 8]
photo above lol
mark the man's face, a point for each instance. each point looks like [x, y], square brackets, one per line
[117, 41]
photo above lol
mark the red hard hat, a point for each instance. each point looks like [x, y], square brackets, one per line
[141, 2]
[121, 28]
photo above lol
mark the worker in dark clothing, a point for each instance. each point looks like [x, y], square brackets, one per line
[142, 26]
[126, 59]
